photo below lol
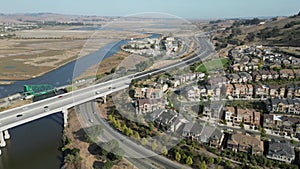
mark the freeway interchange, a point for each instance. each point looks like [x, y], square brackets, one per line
[21, 115]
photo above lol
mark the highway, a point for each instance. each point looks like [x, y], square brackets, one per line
[21, 115]
[136, 154]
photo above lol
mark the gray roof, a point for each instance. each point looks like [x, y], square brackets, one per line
[207, 133]
[194, 128]
[166, 117]
[281, 148]
[155, 114]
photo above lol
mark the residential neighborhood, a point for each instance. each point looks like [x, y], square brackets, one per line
[256, 96]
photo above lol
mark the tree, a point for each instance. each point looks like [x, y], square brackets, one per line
[210, 160]
[177, 156]
[228, 163]
[113, 70]
[189, 160]
[218, 160]
[144, 141]
[250, 37]
[151, 126]
[108, 165]
[164, 150]
[93, 132]
[203, 165]
[73, 157]
[263, 132]
[154, 145]
[116, 124]
[137, 136]
[110, 118]
[242, 125]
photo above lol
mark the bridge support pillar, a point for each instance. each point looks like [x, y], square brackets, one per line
[65, 114]
[2, 140]
[104, 99]
[6, 135]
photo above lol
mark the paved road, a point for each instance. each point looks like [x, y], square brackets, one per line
[135, 153]
[33, 111]
[20, 115]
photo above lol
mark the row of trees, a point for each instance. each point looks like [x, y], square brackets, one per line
[255, 160]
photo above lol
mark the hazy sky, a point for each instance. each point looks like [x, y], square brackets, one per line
[181, 8]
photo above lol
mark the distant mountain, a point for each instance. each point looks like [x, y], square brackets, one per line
[45, 16]
[279, 31]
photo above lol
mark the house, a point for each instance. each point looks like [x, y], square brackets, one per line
[213, 109]
[273, 75]
[156, 113]
[148, 105]
[210, 91]
[179, 121]
[281, 92]
[216, 139]
[271, 121]
[229, 114]
[240, 90]
[192, 130]
[192, 93]
[256, 76]
[229, 89]
[290, 90]
[233, 78]
[150, 93]
[166, 119]
[249, 91]
[297, 73]
[249, 117]
[175, 83]
[282, 125]
[262, 91]
[274, 92]
[278, 105]
[245, 143]
[286, 74]
[297, 92]
[245, 77]
[139, 93]
[281, 150]
[212, 136]
[264, 74]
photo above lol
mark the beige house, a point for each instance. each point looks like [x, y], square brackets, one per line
[245, 143]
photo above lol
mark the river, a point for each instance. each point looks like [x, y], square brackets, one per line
[36, 145]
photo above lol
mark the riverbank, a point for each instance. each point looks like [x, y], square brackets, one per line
[34, 53]
[6, 82]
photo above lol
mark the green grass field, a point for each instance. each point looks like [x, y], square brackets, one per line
[212, 65]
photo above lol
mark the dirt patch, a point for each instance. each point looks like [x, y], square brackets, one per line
[76, 141]
[76, 135]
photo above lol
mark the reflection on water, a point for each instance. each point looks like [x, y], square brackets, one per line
[35, 145]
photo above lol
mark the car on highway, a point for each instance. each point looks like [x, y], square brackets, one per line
[25, 108]
[46, 108]
[59, 96]
[98, 92]
[19, 115]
